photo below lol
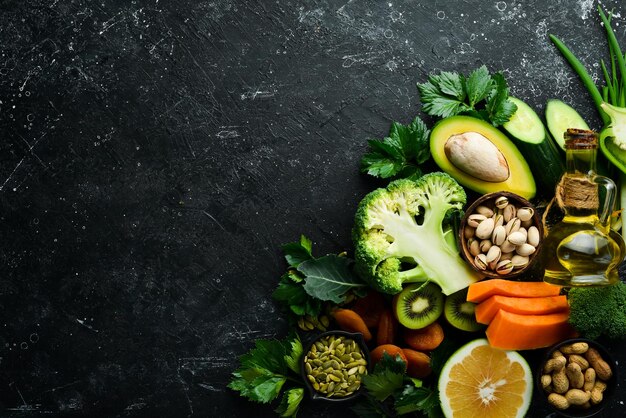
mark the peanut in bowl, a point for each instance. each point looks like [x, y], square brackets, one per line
[501, 235]
[577, 378]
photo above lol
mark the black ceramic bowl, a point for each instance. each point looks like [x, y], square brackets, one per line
[358, 338]
[608, 393]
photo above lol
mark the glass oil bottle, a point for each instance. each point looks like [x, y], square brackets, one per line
[582, 250]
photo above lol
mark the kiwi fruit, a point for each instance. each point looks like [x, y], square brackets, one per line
[418, 305]
[460, 313]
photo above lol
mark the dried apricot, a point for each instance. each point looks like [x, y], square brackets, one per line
[370, 308]
[350, 321]
[424, 339]
[418, 363]
[393, 350]
[387, 326]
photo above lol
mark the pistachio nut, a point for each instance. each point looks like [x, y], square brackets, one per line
[517, 238]
[484, 230]
[525, 213]
[513, 225]
[504, 267]
[481, 261]
[507, 246]
[474, 246]
[485, 245]
[533, 236]
[525, 249]
[499, 235]
[519, 261]
[502, 202]
[468, 232]
[509, 212]
[493, 254]
[485, 211]
[475, 219]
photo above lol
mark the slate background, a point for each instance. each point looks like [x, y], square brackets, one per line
[155, 154]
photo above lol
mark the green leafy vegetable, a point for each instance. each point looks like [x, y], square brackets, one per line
[293, 357]
[387, 377]
[481, 95]
[264, 370]
[330, 278]
[400, 153]
[291, 294]
[298, 252]
[599, 311]
[414, 399]
[290, 402]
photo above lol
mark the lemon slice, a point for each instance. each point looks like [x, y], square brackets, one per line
[485, 382]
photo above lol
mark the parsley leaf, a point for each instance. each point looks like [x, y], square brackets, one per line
[263, 370]
[297, 252]
[387, 377]
[293, 358]
[420, 399]
[292, 295]
[330, 278]
[290, 402]
[480, 95]
[399, 153]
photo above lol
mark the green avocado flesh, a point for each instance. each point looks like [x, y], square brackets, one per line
[519, 178]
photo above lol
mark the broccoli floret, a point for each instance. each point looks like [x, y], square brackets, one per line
[599, 311]
[401, 235]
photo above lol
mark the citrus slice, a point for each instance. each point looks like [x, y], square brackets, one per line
[485, 382]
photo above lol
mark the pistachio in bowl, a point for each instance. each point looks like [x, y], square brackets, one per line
[334, 364]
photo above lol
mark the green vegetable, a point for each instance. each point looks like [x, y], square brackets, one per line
[611, 102]
[561, 116]
[265, 369]
[599, 311]
[310, 280]
[399, 154]
[400, 235]
[390, 392]
[538, 148]
[480, 95]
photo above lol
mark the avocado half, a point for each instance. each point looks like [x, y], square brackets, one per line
[520, 179]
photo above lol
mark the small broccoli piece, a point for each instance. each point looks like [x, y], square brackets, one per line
[401, 235]
[599, 311]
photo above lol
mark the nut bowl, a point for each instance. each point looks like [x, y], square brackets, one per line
[573, 411]
[501, 235]
[332, 366]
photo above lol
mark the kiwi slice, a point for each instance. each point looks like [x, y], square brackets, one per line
[418, 305]
[460, 313]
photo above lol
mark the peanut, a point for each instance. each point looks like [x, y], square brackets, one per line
[558, 401]
[575, 376]
[555, 364]
[575, 348]
[577, 397]
[557, 353]
[546, 381]
[580, 360]
[603, 370]
[560, 384]
[590, 379]
[600, 385]
[596, 396]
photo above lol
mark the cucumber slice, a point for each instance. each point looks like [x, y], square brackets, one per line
[534, 142]
[561, 116]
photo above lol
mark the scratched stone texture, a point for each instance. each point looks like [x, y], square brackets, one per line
[155, 154]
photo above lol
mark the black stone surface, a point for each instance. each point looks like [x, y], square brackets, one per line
[155, 154]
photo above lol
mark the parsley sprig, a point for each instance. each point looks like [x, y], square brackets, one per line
[400, 153]
[266, 368]
[480, 95]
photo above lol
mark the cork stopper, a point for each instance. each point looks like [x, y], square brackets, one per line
[580, 139]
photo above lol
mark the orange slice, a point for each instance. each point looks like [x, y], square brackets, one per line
[479, 381]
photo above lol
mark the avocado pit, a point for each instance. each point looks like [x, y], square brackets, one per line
[474, 154]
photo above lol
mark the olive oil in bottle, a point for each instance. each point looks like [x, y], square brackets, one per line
[582, 250]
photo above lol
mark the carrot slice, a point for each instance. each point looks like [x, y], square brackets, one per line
[480, 291]
[487, 309]
[511, 331]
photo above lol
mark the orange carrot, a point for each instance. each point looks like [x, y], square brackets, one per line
[480, 291]
[487, 309]
[511, 331]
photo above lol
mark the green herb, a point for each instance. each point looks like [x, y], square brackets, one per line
[310, 281]
[400, 153]
[290, 402]
[265, 369]
[390, 392]
[387, 377]
[480, 95]
[330, 278]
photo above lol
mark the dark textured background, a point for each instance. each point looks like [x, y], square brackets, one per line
[155, 154]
